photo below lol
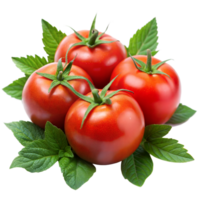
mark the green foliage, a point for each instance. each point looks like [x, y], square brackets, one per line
[16, 87]
[43, 148]
[26, 132]
[145, 38]
[51, 39]
[29, 64]
[76, 171]
[164, 148]
[137, 167]
[182, 114]
[39, 154]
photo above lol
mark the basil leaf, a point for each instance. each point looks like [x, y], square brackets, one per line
[15, 88]
[145, 38]
[50, 38]
[24, 132]
[137, 168]
[75, 172]
[164, 148]
[30, 63]
[40, 155]
[182, 114]
[37, 157]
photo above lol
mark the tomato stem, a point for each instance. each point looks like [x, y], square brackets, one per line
[97, 98]
[148, 65]
[93, 37]
[60, 77]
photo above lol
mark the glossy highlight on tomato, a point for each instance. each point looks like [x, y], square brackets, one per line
[98, 61]
[158, 95]
[42, 105]
[110, 132]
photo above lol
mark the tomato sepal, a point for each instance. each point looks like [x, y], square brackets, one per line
[148, 67]
[98, 99]
[67, 67]
[65, 83]
[93, 39]
[49, 76]
[53, 84]
[62, 76]
[90, 108]
[78, 35]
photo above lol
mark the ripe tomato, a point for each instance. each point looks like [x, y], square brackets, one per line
[158, 95]
[110, 133]
[98, 61]
[41, 105]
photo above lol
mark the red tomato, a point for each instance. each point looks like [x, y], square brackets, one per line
[42, 106]
[98, 61]
[110, 132]
[158, 95]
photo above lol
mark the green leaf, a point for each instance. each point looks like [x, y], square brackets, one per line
[40, 155]
[55, 137]
[153, 53]
[29, 64]
[145, 38]
[137, 167]
[76, 171]
[15, 89]
[167, 149]
[51, 39]
[156, 131]
[68, 152]
[182, 114]
[36, 157]
[26, 132]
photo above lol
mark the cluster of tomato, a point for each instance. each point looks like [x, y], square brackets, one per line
[102, 126]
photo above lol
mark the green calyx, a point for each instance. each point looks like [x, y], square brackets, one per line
[98, 99]
[62, 76]
[148, 67]
[92, 41]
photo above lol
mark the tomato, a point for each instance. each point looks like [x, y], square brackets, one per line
[157, 94]
[98, 61]
[110, 133]
[42, 105]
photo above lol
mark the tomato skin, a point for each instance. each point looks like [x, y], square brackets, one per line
[42, 106]
[157, 95]
[110, 132]
[98, 61]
